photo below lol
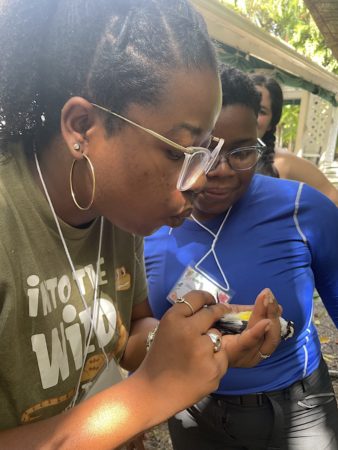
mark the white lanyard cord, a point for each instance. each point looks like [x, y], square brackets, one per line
[95, 306]
[212, 248]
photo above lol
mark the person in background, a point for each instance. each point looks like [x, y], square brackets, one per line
[246, 232]
[276, 162]
[105, 107]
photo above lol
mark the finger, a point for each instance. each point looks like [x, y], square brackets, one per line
[221, 356]
[199, 301]
[253, 338]
[215, 339]
[266, 306]
[196, 300]
[214, 331]
[182, 301]
[273, 335]
[243, 349]
[273, 309]
[241, 308]
[222, 359]
[272, 338]
[202, 320]
[205, 318]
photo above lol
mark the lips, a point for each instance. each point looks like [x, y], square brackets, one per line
[216, 195]
[218, 192]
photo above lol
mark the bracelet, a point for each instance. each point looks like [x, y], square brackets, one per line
[150, 338]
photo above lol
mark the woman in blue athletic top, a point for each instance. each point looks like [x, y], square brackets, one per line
[248, 232]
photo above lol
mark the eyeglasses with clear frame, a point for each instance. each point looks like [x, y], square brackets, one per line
[197, 160]
[240, 159]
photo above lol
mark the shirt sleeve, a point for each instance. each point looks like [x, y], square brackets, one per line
[318, 219]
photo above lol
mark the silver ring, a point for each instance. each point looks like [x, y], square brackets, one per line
[263, 355]
[216, 340]
[183, 300]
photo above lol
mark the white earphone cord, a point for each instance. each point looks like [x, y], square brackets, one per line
[95, 306]
[212, 248]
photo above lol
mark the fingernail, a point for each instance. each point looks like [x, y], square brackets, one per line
[269, 298]
[267, 328]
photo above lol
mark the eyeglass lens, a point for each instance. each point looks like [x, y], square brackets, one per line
[242, 159]
[197, 163]
[193, 167]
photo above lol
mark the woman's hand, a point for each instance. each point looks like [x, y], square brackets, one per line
[181, 364]
[262, 335]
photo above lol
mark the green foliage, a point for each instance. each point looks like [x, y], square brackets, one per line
[287, 127]
[290, 21]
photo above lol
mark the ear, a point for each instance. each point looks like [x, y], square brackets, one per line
[77, 120]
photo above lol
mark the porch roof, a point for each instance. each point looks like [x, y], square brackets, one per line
[230, 29]
[325, 14]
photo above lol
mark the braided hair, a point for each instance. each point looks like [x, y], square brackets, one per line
[265, 164]
[111, 52]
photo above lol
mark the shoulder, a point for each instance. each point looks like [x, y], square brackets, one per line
[287, 196]
[268, 188]
[293, 167]
[317, 204]
[290, 166]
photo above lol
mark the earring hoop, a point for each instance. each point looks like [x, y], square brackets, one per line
[92, 172]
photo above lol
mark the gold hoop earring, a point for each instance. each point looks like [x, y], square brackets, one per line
[82, 208]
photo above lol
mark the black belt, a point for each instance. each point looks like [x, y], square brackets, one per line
[294, 392]
[261, 398]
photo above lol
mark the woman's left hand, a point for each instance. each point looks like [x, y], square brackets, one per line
[262, 335]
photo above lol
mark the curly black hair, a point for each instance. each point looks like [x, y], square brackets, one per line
[265, 164]
[111, 52]
[237, 88]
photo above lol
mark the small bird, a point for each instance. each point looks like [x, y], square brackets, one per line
[235, 323]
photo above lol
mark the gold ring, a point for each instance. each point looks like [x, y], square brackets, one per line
[183, 300]
[216, 340]
[263, 355]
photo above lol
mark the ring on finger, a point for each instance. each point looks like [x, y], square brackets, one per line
[263, 355]
[216, 340]
[183, 300]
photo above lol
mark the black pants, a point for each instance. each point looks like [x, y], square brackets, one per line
[301, 417]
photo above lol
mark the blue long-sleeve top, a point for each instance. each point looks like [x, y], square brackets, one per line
[281, 234]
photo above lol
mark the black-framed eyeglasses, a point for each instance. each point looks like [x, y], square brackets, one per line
[242, 158]
[197, 160]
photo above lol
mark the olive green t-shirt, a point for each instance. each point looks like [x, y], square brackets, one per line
[43, 319]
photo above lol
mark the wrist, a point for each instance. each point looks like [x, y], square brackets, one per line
[157, 407]
[151, 337]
